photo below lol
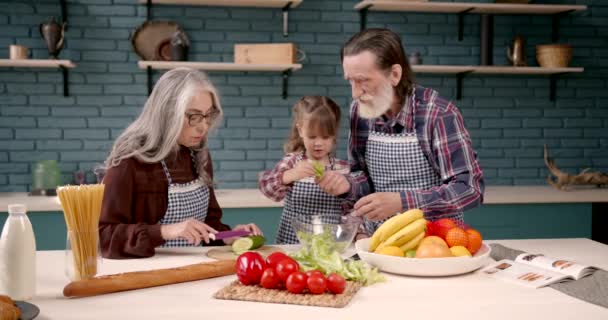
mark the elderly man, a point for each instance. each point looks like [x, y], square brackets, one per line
[408, 146]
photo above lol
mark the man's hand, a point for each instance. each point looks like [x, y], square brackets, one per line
[379, 205]
[251, 227]
[333, 183]
[191, 230]
[302, 169]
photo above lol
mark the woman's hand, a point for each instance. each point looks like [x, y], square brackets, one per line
[302, 169]
[191, 230]
[251, 227]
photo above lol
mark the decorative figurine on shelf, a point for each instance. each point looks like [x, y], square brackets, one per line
[562, 180]
[52, 33]
[179, 45]
[516, 53]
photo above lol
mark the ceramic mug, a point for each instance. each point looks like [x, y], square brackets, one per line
[18, 52]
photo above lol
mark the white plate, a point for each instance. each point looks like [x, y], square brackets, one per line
[423, 267]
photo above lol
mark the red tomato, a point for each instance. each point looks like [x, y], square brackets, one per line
[316, 284]
[336, 283]
[310, 273]
[270, 279]
[286, 267]
[442, 226]
[274, 258]
[249, 268]
[296, 282]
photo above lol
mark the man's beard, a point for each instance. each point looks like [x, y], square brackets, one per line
[371, 107]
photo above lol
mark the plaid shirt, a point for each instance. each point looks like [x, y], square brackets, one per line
[271, 181]
[444, 141]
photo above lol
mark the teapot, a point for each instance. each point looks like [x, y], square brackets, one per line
[516, 53]
[53, 35]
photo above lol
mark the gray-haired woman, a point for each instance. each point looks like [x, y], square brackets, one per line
[158, 188]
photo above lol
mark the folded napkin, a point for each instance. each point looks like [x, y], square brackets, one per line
[592, 288]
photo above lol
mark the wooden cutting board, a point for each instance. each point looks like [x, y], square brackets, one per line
[225, 252]
[237, 291]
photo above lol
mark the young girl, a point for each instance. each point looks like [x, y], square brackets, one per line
[313, 137]
[158, 188]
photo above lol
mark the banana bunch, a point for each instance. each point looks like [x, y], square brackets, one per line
[404, 230]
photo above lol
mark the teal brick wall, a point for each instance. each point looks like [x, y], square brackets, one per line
[509, 117]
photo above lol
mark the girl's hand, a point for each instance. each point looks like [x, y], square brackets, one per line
[251, 227]
[191, 230]
[302, 169]
[333, 183]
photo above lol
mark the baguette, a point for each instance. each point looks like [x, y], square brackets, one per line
[8, 309]
[145, 279]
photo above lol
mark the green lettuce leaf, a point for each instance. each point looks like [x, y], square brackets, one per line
[319, 169]
[320, 252]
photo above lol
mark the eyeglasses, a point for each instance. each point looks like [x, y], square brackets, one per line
[195, 119]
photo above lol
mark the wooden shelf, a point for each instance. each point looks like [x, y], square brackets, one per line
[427, 68]
[285, 69]
[284, 5]
[219, 66]
[487, 10]
[42, 63]
[447, 69]
[230, 3]
[525, 70]
[461, 71]
[36, 63]
[468, 7]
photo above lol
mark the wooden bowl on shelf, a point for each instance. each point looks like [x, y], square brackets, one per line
[554, 55]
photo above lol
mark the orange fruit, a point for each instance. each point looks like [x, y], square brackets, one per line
[457, 237]
[474, 240]
[442, 226]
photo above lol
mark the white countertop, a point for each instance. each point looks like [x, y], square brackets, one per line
[470, 296]
[253, 198]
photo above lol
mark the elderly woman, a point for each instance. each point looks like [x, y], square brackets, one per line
[158, 183]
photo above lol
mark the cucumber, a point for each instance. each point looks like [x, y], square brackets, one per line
[244, 244]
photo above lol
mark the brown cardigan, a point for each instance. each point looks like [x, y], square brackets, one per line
[135, 200]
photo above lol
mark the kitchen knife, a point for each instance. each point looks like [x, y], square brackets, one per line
[229, 234]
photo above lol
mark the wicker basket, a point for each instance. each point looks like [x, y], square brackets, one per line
[554, 55]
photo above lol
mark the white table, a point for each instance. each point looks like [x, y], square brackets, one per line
[470, 296]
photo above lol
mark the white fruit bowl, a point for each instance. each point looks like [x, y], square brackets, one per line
[423, 267]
